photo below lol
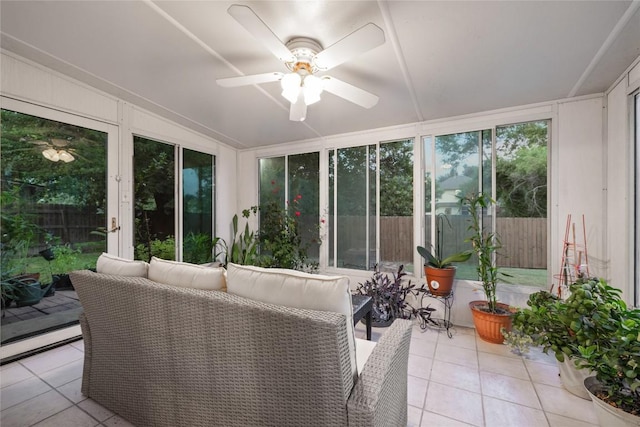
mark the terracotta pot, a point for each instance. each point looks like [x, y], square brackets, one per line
[440, 280]
[487, 324]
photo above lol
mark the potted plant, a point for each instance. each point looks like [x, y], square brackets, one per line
[389, 296]
[439, 271]
[584, 319]
[489, 316]
[615, 389]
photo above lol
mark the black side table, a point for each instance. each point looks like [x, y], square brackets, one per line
[362, 306]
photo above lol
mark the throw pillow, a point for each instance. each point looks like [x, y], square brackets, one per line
[111, 264]
[187, 275]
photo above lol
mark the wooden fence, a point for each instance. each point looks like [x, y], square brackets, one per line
[524, 240]
[68, 223]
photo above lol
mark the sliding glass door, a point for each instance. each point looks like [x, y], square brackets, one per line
[59, 200]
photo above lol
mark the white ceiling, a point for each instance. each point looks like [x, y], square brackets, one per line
[440, 59]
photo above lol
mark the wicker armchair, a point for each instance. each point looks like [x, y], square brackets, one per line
[161, 355]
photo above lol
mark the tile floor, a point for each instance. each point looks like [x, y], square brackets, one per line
[452, 382]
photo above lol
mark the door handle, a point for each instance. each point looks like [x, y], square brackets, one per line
[114, 225]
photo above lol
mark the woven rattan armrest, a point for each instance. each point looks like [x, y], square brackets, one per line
[379, 397]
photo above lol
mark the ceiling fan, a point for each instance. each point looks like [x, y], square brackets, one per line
[304, 57]
[56, 150]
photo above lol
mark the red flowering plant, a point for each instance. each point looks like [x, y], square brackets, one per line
[283, 241]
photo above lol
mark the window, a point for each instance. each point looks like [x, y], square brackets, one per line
[156, 202]
[54, 212]
[637, 197]
[510, 163]
[371, 206]
[294, 180]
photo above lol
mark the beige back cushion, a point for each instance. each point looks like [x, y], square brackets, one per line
[295, 289]
[111, 264]
[187, 275]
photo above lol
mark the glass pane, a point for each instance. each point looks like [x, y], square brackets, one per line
[457, 173]
[371, 259]
[197, 188]
[272, 177]
[54, 186]
[330, 217]
[428, 177]
[304, 196]
[396, 205]
[637, 196]
[154, 195]
[521, 194]
[351, 209]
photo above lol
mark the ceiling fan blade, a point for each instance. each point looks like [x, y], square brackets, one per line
[249, 80]
[298, 111]
[349, 92]
[258, 29]
[361, 40]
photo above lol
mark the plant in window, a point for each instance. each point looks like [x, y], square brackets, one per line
[489, 316]
[281, 236]
[440, 271]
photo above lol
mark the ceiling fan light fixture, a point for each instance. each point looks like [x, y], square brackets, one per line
[65, 156]
[291, 86]
[312, 88]
[51, 154]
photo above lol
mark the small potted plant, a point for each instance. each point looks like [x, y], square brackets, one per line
[389, 296]
[615, 389]
[490, 317]
[439, 271]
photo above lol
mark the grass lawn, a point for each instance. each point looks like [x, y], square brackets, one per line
[37, 264]
[517, 276]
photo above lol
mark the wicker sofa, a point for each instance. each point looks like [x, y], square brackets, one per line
[165, 355]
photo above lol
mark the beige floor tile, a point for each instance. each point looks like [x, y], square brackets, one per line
[457, 355]
[117, 421]
[52, 359]
[461, 405]
[413, 416]
[72, 391]
[425, 334]
[500, 413]
[559, 401]
[78, 344]
[499, 349]
[560, 421]
[422, 348]
[543, 373]
[13, 373]
[416, 391]
[34, 410]
[95, 409]
[456, 376]
[420, 366]
[536, 355]
[22, 391]
[460, 340]
[510, 389]
[71, 417]
[430, 419]
[461, 330]
[64, 374]
[502, 365]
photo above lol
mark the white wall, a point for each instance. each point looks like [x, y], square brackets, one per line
[26, 81]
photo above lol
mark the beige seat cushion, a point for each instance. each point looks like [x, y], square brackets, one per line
[295, 289]
[364, 349]
[111, 264]
[187, 275]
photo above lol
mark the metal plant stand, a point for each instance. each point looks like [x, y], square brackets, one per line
[445, 321]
